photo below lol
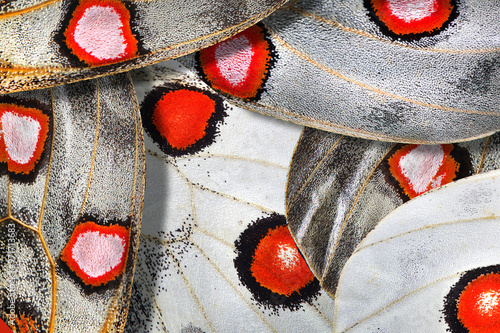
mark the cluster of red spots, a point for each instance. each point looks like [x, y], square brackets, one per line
[239, 65]
[278, 265]
[181, 117]
[479, 304]
[22, 137]
[99, 32]
[419, 168]
[96, 253]
[412, 17]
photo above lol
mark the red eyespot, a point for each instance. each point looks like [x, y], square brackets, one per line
[270, 265]
[182, 116]
[239, 65]
[22, 137]
[99, 32]
[419, 168]
[473, 303]
[97, 254]
[411, 18]
[278, 265]
[181, 119]
[479, 304]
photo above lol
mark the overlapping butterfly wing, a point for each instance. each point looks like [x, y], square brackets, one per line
[72, 181]
[215, 252]
[340, 187]
[423, 72]
[50, 42]
[431, 265]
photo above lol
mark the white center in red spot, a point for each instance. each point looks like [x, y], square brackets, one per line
[234, 57]
[97, 254]
[100, 33]
[421, 165]
[412, 10]
[21, 135]
[288, 257]
[487, 301]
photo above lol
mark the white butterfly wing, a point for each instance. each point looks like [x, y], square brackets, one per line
[401, 274]
[196, 206]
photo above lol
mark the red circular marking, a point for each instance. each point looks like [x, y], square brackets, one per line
[26, 115]
[81, 42]
[479, 304]
[392, 14]
[80, 262]
[445, 174]
[278, 265]
[250, 45]
[181, 117]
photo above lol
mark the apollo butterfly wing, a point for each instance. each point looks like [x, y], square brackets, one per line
[71, 194]
[51, 42]
[340, 187]
[417, 72]
[209, 207]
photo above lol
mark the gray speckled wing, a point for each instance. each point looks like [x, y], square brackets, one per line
[46, 43]
[340, 187]
[336, 67]
[71, 200]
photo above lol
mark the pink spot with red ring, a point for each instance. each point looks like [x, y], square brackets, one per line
[99, 32]
[412, 17]
[420, 168]
[239, 65]
[22, 137]
[96, 253]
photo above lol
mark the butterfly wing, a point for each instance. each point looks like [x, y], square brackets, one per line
[426, 264]
[206, 208]
[46, 43]
[71, 198]
[340, 187]
[337, 67]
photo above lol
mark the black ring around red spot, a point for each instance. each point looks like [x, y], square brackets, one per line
[246, 245]
[385, 27]
[148, 108]
[450, 309]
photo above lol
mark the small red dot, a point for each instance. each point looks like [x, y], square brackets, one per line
[278, 265]
[182, 116]
[479, 304]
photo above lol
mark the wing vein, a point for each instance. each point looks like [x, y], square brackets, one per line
[234, 287]
[307, 58]
[332, 252]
